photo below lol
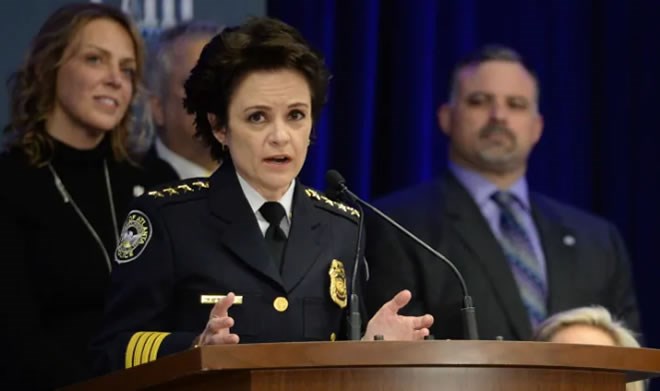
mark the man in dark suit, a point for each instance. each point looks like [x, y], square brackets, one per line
[524, 256]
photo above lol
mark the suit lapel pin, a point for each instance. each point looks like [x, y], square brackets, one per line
[569, 240]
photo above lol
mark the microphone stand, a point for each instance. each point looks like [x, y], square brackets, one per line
[468, 310]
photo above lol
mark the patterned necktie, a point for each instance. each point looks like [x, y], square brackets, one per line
[274, 212]
[524, 263]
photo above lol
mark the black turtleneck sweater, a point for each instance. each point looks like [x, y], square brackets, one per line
[53, 274]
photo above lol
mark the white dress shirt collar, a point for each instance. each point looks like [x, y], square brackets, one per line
[256, 200]
[183, 167]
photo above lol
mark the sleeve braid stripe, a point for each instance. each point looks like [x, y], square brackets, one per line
[142, 340]
[147, 348]
[157, 342]
[130, 349]
[143, 347]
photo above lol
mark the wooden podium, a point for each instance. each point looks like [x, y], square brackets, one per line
[384, 366]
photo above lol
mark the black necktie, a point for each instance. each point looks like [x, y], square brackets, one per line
[274, 212]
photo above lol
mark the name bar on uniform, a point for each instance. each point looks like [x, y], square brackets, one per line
[212, 299]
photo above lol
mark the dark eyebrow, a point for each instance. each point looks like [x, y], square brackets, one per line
[108, 54]
[298, 104]
[268, 108]
[490, 95]
[257, 107]
[482, 93]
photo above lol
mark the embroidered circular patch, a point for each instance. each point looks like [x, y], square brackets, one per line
[134, 238]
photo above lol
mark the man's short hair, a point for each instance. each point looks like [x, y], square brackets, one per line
[488, 53]
[160, 53]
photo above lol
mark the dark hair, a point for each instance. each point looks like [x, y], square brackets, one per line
[257, 45]
[485, 54]
[33, 86]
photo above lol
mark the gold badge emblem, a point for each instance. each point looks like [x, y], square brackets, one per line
[134, 238]
[280, 304]
[338, 283]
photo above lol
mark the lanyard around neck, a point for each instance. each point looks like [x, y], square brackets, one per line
[69, 200]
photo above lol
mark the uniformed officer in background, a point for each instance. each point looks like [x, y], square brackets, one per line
[250, 254]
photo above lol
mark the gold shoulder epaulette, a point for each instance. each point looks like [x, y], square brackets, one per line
[313, 194]
[182, 188]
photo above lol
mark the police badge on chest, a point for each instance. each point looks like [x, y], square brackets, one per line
[338, 292]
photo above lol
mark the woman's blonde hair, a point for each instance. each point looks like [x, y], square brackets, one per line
[595, 316]
[33, 86]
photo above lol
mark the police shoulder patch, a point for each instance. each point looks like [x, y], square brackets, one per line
[135, 235]
[333, 206]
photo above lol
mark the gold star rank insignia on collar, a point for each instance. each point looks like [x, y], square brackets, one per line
[332, 205]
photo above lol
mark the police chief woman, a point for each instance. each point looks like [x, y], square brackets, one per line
[274, 255]
[66, 178]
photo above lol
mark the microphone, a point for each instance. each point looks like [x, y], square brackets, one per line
[354, 316]
[337, 184]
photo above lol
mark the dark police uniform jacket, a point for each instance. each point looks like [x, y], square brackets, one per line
[191, 241]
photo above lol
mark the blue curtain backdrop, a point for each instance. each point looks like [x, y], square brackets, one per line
[598, 63]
